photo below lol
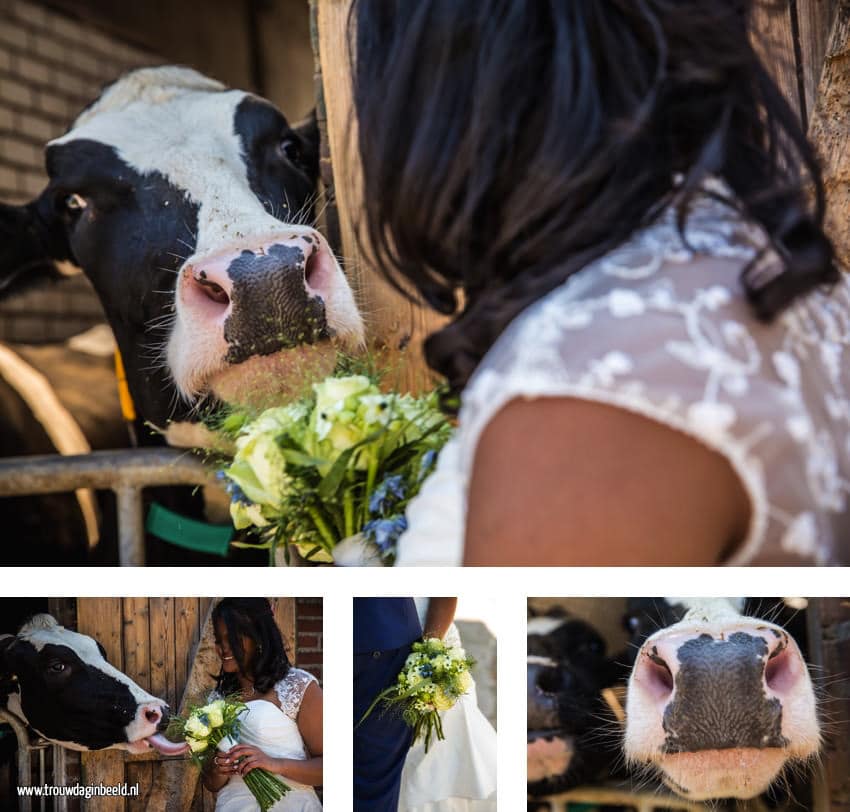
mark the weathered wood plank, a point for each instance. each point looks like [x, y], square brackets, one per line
[814, 23]
[284, 615]
[829, 130]
[162, 649]
[773, 37]
[393, 323]
[102, 619]
[186, 621]
[175, 781]
[136, 634]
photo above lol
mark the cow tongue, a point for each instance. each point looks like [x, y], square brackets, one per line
[166, 747]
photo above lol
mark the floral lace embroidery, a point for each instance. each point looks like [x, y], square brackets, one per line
[291, 690]
[692, 356]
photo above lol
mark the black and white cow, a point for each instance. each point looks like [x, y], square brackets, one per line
[184, 203]
[567, 670]
[59, 683]
[719, 703]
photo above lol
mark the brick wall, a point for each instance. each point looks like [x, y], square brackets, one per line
[51, 66]
[308, 635]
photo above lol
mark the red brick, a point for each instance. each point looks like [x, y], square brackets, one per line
[309, 625]
[308, 641]
[52, 49]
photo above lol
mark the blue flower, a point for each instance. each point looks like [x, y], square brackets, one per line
[385, 532]
[426, 464]
[426, 669]
[386, 495]
[236, 493]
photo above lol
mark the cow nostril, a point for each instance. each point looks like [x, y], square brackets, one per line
[779, 673]
[153, 716]
[657, 676]
[212, 290]
[549, 680]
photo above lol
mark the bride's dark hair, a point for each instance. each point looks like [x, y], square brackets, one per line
[506, 143]
[252, 618]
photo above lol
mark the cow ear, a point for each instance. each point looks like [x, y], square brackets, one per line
[32, 240]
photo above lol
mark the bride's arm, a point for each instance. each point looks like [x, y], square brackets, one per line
[304, 771]
[441, 613]
[216, 772]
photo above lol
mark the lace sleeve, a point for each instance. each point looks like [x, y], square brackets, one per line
[677, 343]
[291, 690]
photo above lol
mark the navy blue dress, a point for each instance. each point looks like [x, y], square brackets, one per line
[384, 630]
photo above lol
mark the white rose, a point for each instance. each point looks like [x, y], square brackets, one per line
[196, 728]
[197, 745]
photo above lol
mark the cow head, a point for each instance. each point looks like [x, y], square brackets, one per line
[566, 672]
[719, 702]
[59, 683]
[185, 204]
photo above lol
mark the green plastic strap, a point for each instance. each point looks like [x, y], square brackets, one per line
[189, 534]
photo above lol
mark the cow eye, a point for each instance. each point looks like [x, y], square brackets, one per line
[75, 203]
[57, 667]
[289, 149]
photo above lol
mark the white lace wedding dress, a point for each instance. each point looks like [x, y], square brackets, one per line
[458, 774]
[660, 327]
[274, 730]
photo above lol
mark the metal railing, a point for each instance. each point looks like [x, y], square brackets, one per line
[26, 777]
[126, 473]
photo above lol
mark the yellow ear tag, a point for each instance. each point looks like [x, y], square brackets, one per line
[128, 410]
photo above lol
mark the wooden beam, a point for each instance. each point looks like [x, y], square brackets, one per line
[773, 38]
[102, 619]
[176, 780]
[829, 130]
[392, 322]
[814, 23]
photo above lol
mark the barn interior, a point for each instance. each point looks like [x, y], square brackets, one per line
[819, 625]
[166, 646]
[55, 58]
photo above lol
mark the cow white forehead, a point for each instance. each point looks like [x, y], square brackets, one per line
[544, 624]
[43, 630]
[150, 86]
[180, 125]
[709, 608]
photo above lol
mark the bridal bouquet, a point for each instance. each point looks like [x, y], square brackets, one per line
[330, 475]
[434, 677]
[215, 727]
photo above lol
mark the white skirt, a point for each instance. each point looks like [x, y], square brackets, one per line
[457, 774]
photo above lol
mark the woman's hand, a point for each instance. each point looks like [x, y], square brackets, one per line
[217, 772]
[246, 757]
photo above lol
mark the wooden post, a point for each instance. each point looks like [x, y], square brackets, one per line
[102, 618]
[392, 322]
[829, 130]
[176, 780]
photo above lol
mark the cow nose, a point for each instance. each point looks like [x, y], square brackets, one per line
[152, 714]
[544, 684]
[723, 689]
[263, 296]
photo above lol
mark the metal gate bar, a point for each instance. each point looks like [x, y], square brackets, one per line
[126, 473]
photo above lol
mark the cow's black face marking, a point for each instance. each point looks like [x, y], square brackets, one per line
[130, 239]
[719, 701]
[67, 700]
[259, 310]
[282, 164]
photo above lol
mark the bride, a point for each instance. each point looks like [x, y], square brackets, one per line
[282, 731]
[459, 773]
